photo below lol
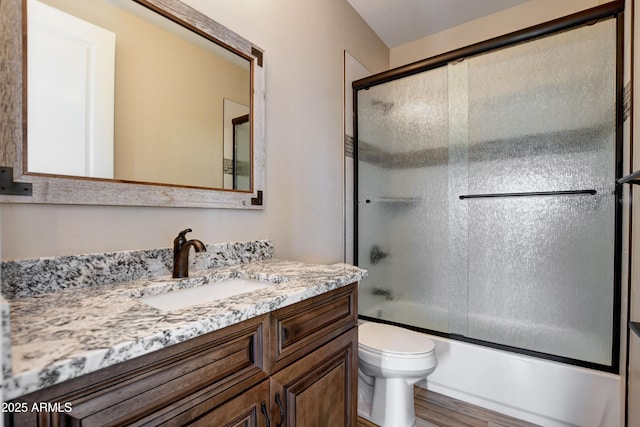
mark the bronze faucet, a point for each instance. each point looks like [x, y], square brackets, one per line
[181, 253]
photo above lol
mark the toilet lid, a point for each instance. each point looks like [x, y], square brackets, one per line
[393, 339]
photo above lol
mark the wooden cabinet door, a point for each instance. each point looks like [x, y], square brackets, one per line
[320, 389]
[250, 409]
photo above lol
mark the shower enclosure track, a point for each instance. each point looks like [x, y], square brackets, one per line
[528, 194]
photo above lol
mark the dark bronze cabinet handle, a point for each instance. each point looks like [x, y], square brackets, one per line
[265, 412]
[279, 402]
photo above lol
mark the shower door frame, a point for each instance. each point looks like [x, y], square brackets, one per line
[615, 10]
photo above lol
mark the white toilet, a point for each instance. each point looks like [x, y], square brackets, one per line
[391, 360]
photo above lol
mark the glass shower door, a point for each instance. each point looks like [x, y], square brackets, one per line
[541, 268]
[402, 223]
[486, 196]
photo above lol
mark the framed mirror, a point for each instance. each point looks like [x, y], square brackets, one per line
[133, 111]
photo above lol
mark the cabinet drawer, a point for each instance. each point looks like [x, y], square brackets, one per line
[303, 327]
[155, 388]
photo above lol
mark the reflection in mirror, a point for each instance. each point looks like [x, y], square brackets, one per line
[241, 153]
[70, 94]
[237, 146]
[112, 94]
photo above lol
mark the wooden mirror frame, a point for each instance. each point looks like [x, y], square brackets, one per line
[17, 186]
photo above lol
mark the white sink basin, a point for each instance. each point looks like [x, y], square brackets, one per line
[183, 298]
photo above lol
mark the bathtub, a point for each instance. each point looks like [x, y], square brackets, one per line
[543, 392]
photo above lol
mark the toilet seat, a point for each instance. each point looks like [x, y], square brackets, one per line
[381, 339]
[369, 353]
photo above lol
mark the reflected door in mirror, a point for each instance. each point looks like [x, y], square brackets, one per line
[70, 94]
[241, 153]
[237, 146]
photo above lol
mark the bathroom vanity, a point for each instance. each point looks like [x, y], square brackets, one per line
[285, 354]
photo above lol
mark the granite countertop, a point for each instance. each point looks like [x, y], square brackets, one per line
[60, 335]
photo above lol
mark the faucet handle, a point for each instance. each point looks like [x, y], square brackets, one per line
[179, 241]
[183, 232]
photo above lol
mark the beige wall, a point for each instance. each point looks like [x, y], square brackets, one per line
[304, 44]
[516, 18]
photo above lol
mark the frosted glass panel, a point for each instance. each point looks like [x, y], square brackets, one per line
[541, 274]
[535, 272]
[403, 223]
[541, 269]
[542, 114]
[458, 175]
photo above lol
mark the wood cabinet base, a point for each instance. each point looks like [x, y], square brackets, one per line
[296, 366]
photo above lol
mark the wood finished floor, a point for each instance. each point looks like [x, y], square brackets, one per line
[436, 410]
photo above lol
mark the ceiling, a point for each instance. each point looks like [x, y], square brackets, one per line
[398, 22]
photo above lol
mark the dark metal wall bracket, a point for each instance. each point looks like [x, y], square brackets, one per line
[257, 201]
[258, 54]
[10, 188]
[529, 194]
